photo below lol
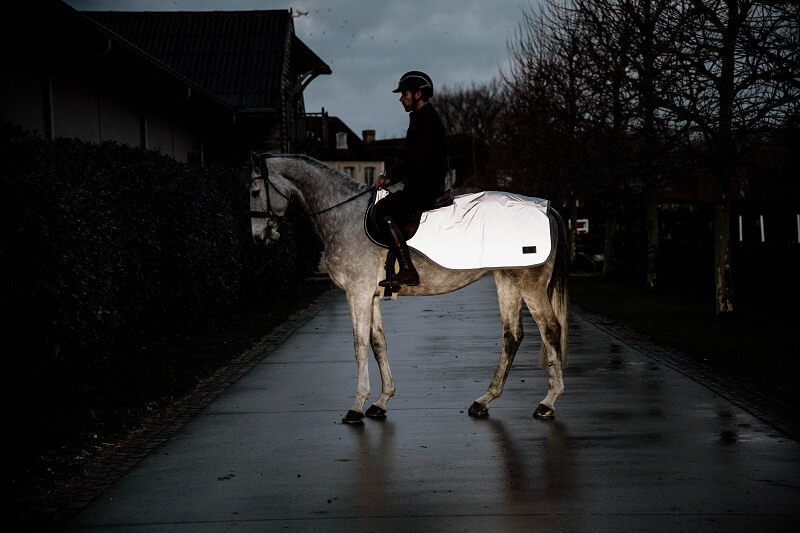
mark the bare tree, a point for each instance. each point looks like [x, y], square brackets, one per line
[525, 124]
[547, 89]
[646, 16]
[626, 47]
[474, 112]
[609, 36]
[471, 109]
[735, 76]
[600, 90]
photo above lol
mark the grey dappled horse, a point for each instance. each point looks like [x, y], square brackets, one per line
[355, 263]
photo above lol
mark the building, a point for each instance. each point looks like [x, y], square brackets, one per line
[199, 86]
[392, 151]
[330, 140]
[251, 60]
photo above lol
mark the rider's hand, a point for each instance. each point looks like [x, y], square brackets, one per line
[381, 181]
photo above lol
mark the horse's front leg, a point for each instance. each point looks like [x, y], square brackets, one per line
[361, 316]
[510, 301]
[378, 342]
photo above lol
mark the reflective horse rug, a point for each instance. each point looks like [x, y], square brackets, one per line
[487, 229]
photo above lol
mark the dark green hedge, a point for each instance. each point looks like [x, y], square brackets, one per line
[105, 247]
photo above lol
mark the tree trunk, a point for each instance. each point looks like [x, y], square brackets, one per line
[722, 253]
[651, 216]
[725, 157]
[573, 229]
[609, 267]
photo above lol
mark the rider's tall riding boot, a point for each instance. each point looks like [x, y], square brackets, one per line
[407, 274]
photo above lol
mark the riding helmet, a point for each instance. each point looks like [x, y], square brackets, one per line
[413, 81]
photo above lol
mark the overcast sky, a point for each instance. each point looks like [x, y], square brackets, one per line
[369, 44]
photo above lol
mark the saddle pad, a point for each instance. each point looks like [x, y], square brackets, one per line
[487, 229]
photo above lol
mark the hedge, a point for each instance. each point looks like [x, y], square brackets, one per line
[105, 247]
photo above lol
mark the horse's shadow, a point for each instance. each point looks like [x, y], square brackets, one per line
[554, 480]
[528, 472]
[376, 461]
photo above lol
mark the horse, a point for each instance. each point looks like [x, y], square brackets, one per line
[354, 263]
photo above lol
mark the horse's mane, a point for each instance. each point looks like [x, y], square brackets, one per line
[324, 167]
[306, 158]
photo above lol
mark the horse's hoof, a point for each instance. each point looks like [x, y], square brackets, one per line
[376, 412]
[478, 410]
[544, 412]
[353, 417]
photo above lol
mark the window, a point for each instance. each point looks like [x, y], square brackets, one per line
[341, 141]
[369, 175]
[350, 171]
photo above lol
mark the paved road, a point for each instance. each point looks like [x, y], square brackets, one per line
[636, 445]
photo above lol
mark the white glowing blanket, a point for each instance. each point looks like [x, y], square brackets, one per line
[486, 230]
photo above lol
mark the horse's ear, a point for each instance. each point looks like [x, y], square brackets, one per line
[254, 159]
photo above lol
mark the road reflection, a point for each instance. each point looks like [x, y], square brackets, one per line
[529, 469]
[530, 475]
[376, 463]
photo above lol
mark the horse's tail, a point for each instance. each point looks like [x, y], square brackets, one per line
[557, 289]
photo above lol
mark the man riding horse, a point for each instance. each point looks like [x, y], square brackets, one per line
[422, 171]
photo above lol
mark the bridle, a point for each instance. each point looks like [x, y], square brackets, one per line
[269, 213]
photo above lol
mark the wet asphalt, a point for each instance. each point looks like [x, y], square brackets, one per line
[636, 445]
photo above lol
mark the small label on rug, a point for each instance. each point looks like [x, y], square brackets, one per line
[528, 249]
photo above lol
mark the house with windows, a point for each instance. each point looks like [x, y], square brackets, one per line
[330, 140]
[392, 151]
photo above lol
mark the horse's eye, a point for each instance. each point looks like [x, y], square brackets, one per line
[255, 193]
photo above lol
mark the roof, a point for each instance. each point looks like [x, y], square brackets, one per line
[232, 54]
[321, 142]
[57, 34]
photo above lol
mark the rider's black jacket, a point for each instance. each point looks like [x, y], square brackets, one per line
[425, 165]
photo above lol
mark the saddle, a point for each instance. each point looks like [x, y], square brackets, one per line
[408, 224]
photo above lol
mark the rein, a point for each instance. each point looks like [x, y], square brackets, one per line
[362, 193]
[269, 213]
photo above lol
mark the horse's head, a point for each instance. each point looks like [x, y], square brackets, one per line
[269, 200]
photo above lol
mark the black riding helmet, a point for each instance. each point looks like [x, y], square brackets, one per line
[413, 81]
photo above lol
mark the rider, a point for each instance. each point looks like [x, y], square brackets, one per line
[422, 171]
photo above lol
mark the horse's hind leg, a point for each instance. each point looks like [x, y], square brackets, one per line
[378, 342]
[510, 300]
[551, 358]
